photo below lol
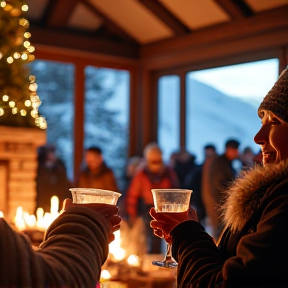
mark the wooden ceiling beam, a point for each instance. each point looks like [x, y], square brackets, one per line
[166, 16]
[66, 39]
[110, 25]
[58, 12]
[243, 7]
[260, 23]
[231, 8]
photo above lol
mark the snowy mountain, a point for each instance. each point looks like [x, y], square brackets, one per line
[213, 117]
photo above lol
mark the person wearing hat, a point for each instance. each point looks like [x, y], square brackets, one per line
[220, 174]
[253, 248]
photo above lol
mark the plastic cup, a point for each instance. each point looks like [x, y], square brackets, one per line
[89, 195]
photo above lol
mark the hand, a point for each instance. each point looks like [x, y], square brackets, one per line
[110, 212]
[164, 223]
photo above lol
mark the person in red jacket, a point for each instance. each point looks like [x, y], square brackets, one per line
[138, 201]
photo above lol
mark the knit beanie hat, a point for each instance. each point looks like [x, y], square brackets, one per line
[276, 100]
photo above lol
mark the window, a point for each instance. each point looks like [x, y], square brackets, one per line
[56, 91]
[222, 103]
[169, 114]
[107, 115]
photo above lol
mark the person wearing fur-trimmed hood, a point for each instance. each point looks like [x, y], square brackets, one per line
[253, 248]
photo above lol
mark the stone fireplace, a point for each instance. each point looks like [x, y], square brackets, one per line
[18, 166]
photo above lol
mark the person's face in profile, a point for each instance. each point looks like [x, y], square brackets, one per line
[93, 160]
[154, 161]
[272, 138]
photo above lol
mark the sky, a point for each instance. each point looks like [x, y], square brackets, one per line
[246, 81]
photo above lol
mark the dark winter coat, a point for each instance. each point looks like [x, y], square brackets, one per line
[103, 179]
[253, 249]
[51, 181]
[74, 248]
[220, 176]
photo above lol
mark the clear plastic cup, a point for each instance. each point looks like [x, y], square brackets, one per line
[89, 195]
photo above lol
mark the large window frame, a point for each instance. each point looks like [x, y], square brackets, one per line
[81, 60]
[278, 53]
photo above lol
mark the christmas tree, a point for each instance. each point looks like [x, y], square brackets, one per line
[19, 101]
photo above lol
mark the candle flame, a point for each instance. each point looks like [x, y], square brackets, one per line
[115, 249]
[41, 221]
[133, 260]
[105, 275]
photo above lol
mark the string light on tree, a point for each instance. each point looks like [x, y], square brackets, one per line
[19, 102]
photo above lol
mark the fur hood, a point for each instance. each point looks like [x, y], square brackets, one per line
[242, 199]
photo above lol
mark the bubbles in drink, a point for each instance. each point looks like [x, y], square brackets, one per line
[173, 207]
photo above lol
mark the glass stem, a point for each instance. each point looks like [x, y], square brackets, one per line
[168, 253]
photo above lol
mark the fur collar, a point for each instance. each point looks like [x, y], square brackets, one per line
[242, 198]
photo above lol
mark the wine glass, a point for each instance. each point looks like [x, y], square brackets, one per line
[89, 195]
[172, 202]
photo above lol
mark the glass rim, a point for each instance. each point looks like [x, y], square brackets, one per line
[172, 190]
[93, 190]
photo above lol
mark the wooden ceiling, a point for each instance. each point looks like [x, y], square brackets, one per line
[131, 28]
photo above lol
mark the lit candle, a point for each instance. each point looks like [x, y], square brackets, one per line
[105, 275]
[115, 248]
[133, 260]
[54, 205]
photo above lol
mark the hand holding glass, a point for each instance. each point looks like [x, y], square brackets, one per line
[170, 201]
[88, 195]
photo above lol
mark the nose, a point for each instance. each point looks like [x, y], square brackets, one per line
[262, 136]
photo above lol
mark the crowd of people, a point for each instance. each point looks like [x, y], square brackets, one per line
[246, 248]
[149, 171]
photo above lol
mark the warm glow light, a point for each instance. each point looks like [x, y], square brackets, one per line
[26, 44]
[31, 49]
[5, 98]
[3, 4]
[24, 22]
[14, 110]
[1, 111]
[133, 260]
[43, 125]
[16, 55]
[1, 214]
[24, 56]
[54, 205]
[30, 220]
[34, 113]
[7, 7]
[31, 57]
[105, 275]
[15, 12]
[23, 112]
[11, 104]
[27, 34]
[1, 55]
[10, 60]
[27, 103]
[32, 78]
[25, 8]
[115, 249]
[19, 220]
[41, 221]
[33, 87]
